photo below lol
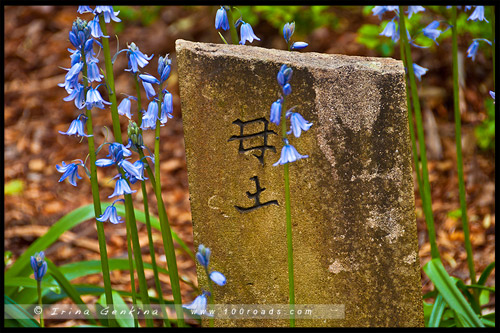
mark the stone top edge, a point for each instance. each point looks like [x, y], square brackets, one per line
[295, 59]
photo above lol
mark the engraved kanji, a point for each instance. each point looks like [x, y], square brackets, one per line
[256, 197]
[264, 134]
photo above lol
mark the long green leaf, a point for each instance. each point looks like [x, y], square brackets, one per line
[22, 268]
[155, 223]
[447, 288]
[119, 304]
[487, 271]
[473, 302]
[52, 297]
[68, 288]
[437, 311]
[82, 268]
[30, 283]
[21, 316]
[85, 289]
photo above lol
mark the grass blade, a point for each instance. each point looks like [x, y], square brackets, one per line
[447, 288]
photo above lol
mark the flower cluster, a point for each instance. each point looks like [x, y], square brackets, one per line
[83, 36]
[199, 305]
[391, 29]
[297, 122]
[478, 15]
[39, 265]
[288, 30]
[222, 22]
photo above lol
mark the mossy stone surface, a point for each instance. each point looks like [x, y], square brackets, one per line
[353, 208]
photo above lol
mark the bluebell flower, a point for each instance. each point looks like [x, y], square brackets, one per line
[39, 265]
[139, 166]
[76, 56]
[413, 10]
[297, 123]
[121, 188]
[288, 30]
[246, 33]
[95, 27]
[478, 14]
[289, 154]
[299, 45]
[391, 31]
[472, 50]
[148, 87]
[164, 67]
[199, 306]
[419, 71]
[117, 152]
[70, 171]
[276, 112]
[221, 20]
[78, 95]
[149, 78]
[150, 116]
[94, 99]
[80, 33]
[89, 49]
[111, 214]
[124, 107]
[71, 78]
[431, 31]
[132, 169]
[492, 94]
[136, 58]
[203, 255]
[167, 107]
[108, 13]
[284, 75]
[379, 10]
[93, 73]
[287, 89]
[84, 9]
[76, 127]
[218, 278]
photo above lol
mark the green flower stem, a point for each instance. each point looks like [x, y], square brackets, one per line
[291, 284]
[232, 29]
[39, 289]
[458, 143]
[111, 82]
[168, 244]
[143, 287]
[411, 126]
[429, 218]
[97, 202]
[166, 321]
[211, 297]
[131, 270]
[129, 208]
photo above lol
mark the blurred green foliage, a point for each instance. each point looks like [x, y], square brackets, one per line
[368, 34]
[15, 186]
[145, 15]
[307, 18]
[485, 132]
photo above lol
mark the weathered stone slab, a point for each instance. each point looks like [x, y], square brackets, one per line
[353, 213]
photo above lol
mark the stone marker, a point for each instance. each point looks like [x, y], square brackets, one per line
[353, 208]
